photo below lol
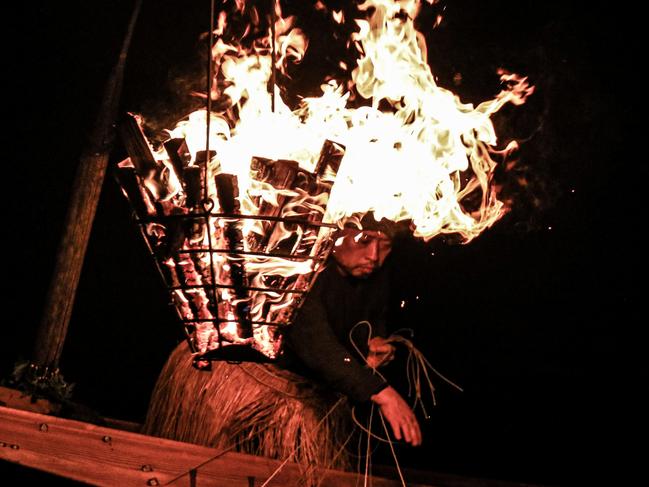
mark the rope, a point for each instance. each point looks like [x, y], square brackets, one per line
[365, 429]
[416, 365]
[367, 451]
[394, 455]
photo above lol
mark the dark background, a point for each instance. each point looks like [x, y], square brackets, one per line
[537, 319]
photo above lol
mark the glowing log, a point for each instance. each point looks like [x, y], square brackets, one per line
[331, 156]
[175, 231]
[194, 179]
[193, 182]
[227, 191]
[280, 175]
[169, 274]
[136, 193]
[309, 202]
[137, 146]
[179, 155]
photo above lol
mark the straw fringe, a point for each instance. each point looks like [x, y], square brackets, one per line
[252, 408]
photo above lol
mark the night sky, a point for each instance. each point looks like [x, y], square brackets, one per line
[537, 319]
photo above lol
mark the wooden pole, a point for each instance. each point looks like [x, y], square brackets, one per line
[81, 213]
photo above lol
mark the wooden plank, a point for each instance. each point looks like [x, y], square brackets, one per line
[105, 456]
[13, 398]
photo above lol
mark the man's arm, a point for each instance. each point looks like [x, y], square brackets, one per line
[315, 344]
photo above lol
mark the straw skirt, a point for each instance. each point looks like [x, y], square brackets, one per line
[252, 408]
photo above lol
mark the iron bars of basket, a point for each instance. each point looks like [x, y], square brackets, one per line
[236, 265]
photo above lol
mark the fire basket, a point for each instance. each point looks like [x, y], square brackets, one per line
[236, 259]
[239, 239]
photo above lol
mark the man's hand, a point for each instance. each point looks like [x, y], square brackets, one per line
[401, 418]
[381, 352]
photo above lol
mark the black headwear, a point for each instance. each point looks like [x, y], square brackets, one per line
[368, 222]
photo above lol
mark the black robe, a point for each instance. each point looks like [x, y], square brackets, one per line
[318, 344]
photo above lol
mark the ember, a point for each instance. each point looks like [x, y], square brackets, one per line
[240, 220]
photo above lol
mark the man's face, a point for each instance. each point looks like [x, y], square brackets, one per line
[359, 253]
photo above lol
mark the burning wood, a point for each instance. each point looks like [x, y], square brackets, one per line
[179, 155]
[137, 146]
[230, 268]
[305, 239]
[331, 156]
[227, 190]
[174, 228]
[194, 179]
[194, 182]
[137, 194]
[307, 204]
[280, 176]
[170, 275]
[196, 228]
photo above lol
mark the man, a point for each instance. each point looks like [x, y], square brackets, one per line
[323, 341]
[282, 410]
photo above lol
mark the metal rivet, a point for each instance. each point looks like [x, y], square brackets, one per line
[3, 444]
[15, 447]
[146, 468]
[153, 481]
[43, 427]
[106, 439]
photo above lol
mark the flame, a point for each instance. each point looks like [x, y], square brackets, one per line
[413, 152]
[420, 160]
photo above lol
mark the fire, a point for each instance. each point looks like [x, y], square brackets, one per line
[413, 152]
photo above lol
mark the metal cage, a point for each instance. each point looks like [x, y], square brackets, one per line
[235, 277]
